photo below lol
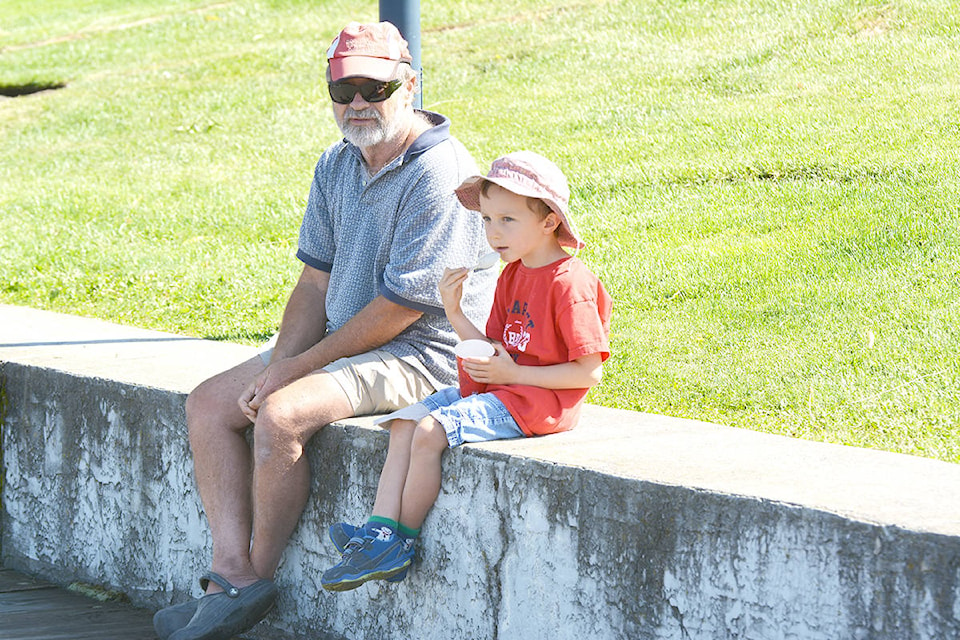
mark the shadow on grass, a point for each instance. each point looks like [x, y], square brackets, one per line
[17, 90]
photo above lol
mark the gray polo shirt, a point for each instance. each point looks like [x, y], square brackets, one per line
[393, 234]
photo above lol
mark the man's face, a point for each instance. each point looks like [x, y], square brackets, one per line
[367, 124]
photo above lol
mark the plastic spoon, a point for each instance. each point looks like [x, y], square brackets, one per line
[486, 261]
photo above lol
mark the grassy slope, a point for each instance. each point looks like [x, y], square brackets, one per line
[769, 189]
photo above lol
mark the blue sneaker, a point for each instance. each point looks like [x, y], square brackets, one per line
[368, 558]
[341, 534]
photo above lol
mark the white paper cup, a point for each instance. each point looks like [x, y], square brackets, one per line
[471, 349]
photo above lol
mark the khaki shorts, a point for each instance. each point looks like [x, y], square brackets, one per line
[379, 382]
[374, 382]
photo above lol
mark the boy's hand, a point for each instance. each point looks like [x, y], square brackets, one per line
[451, 288]
[497, 369]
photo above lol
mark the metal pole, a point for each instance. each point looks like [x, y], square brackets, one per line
[405, 15]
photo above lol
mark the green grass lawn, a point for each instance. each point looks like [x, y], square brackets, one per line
[769, 190]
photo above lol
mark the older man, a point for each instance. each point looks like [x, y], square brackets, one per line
[363, 331]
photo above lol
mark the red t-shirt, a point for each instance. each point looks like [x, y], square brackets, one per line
[550, 315]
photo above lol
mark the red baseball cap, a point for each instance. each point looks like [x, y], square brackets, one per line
[372, 51]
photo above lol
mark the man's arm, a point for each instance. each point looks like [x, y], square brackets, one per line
[302, 331]
[303, 325]
[305, 316]
[373, 326]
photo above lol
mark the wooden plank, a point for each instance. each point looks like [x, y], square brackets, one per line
[31, 609]
[13, 581]
[40, 612]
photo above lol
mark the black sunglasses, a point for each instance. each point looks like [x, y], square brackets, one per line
[342, 92]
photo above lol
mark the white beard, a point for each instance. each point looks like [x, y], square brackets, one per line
[366, 136]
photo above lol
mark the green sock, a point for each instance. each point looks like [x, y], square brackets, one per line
[407, 532]
[380, 521]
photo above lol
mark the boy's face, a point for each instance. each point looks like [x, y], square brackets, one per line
[515, 231]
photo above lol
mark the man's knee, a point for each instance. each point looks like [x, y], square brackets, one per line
[276, 417]
[207, 404]
[214, 403]
[197, 401]
[282, 428]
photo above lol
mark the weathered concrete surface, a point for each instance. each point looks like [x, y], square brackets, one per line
[631, 526]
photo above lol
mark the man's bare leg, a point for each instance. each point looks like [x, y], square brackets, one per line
[281, 474]
[258, 494]
[223, 467]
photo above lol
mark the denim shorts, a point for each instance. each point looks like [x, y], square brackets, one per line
[477, 418]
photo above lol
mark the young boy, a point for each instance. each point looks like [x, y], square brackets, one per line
[549, 326]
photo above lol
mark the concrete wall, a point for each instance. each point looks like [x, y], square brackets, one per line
[631, 526]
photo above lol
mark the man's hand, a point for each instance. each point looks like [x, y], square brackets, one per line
[276, 376]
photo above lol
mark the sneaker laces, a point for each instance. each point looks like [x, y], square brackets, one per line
[357, 543]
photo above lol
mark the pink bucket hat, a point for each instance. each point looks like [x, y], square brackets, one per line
[526, 173]
[372, 51]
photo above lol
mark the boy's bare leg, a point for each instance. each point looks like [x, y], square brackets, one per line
[423, 477]
[394, 473]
